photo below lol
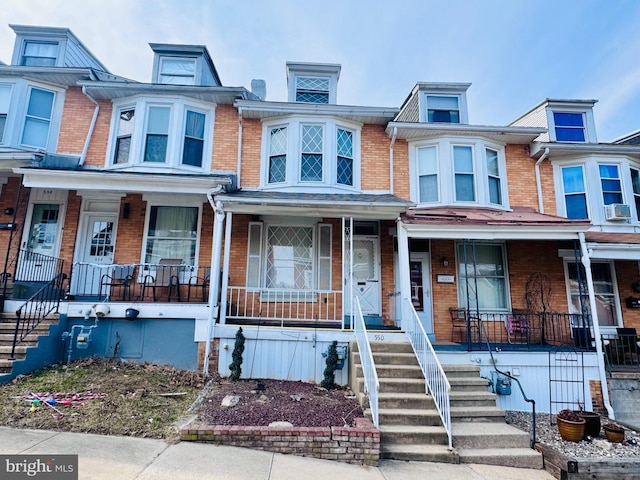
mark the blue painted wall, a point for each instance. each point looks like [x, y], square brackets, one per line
[162, 341]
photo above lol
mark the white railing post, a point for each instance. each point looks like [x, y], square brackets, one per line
[371, 383]
[436, 381]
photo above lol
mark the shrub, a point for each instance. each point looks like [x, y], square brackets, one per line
[236, 356]
[329, 380]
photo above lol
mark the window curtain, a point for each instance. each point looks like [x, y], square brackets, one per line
[172, 234]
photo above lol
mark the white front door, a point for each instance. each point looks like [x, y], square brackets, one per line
[366, 274]
[96, 248]
[420, 272]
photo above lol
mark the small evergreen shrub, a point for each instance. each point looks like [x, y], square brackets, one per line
[329, 380]
[236, 364]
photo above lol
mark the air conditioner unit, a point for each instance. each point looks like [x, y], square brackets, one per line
[617, 211]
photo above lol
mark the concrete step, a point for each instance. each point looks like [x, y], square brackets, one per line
[408, 416]
[405, 400]
[400, 385]
[413, 434]
[477, 414]
[476, 384]
[463, 370]
[391, 347]
[5, 350]
[5, 365]
[394, 371]
[7, 339]
[489, 435]
[506, 457]
[472, 399]
[419, 453]
[392, 358]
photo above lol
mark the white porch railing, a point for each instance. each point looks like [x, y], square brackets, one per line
[284, 306]
[436, 380]
[371, 383]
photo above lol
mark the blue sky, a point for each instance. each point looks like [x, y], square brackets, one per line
[515, 53]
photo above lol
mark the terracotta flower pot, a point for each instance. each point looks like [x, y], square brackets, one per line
[614, 434]
[570, 430]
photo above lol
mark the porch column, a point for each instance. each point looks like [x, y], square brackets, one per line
[586, 261]
[403, 266]
[225, 269]
[214, 277]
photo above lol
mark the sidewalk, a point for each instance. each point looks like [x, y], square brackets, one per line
[126, 458]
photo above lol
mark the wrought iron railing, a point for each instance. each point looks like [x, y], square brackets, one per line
[436, 382]
[167, 281]
[284, 307]
[42, 303]
[368, 365]
[622, 349]
[519, 330]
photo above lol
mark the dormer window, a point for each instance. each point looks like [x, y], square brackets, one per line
[39, 54]
[177, 71]
[312, 90]
[441, 109]
[569, 127]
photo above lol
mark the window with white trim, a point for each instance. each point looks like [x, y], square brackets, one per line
[311, 154]
[604, 291]
[172, 232]
[443, 109]
[569, 126]
[39, 54]
[464, 173]
[493, 175]
[38, 118]
[575, 195]
[483, 276]
[177, 71]
[635, 182]
[610, 183]
[160, 135]
[5, 101]
[289, 257]
[312, 89]
[446, 172]
[428, 174]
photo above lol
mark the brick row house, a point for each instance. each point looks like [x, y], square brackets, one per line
[157, 216]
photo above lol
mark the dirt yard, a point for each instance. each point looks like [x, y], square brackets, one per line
[115, 398]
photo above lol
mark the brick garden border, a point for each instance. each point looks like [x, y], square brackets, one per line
[359, 444]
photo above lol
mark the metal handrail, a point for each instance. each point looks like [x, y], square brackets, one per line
[32, 312]
[436, 381]
[482, 330]
[371, 382]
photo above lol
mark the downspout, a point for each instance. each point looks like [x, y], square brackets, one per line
[538, 181]
[91, 127]
[586, 261]
[214, 306]
[393, 141]
[239, 166]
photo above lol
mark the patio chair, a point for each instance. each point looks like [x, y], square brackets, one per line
[199, 282]
[458, 323]
[117, 281]
[167, 275]
[518, 327]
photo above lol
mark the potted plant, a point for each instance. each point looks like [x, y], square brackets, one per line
[570, 425]
[592, 427]
[614, 432]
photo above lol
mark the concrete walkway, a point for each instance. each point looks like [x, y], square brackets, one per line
[125, 458]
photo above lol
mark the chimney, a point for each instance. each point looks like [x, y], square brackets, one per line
[259, 88]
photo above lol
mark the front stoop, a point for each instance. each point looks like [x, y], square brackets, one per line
[7, 331]
[410, 426]
[480, 433]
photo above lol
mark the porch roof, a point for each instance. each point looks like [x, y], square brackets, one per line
[502, 134]
[613, 245]
[361, 205]
[119, 181]
[521, 223]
